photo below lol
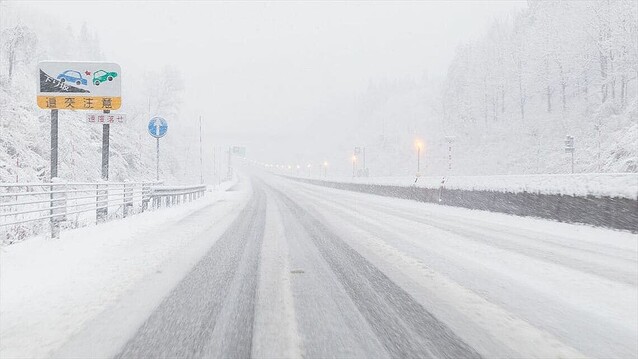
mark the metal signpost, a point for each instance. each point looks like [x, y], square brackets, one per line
[78, 86]
[569, 148]
[449, 140]
[157, 127]
[106, 119]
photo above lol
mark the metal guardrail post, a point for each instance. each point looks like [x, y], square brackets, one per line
[127, 199]
[146, 196]
[101, 202]
[58, 206]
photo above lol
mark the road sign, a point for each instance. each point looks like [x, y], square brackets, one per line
[157, 127]
[105, 118]
[239, 151]
[79, 85]
[569, 144]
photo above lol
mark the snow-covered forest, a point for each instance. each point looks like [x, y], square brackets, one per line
[560, 68]
[511, 97]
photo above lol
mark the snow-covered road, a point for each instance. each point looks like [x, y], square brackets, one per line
[311, 271]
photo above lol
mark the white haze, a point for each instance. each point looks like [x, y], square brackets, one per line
[301, 83]
[261, 72]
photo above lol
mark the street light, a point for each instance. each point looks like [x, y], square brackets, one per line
[419, 146]
[325, 168]
[354, 165]
[309, 167]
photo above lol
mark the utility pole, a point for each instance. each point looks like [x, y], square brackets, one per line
[569, 148]
[214, 163]
[418, 160]
[597, 127]
[418, 145]
[201, 160]
[364, 163]
[230, 169]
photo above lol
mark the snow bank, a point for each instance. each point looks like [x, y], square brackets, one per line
[50, 289]
[623, 185]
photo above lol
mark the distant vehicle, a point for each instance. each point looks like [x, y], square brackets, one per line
[102, 76]
[72, 76]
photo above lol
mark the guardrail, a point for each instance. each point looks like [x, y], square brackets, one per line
[26, 208]
[604, 211]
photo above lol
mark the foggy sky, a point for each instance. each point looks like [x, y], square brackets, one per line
[263, 68]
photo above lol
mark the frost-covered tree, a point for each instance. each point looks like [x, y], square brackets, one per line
[17, 44]
[559, 66]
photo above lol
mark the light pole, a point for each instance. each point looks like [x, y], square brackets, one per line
[354, 165]
[309, 169]
[419, 146]
[201, 160]
[325, 169]
[449, 140]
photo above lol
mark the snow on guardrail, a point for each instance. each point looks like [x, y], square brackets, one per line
[27, 208]
[624, 185]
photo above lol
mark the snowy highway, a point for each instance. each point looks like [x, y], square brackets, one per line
[315, 272]
[319, 179]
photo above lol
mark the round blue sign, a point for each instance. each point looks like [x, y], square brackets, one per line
[157, 127]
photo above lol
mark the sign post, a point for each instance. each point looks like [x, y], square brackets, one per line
[157, 152]
[569, 148]
[157, 127]
[106, 129]
[54, 144]
[106, 119]
[450, 140]
[78, 86]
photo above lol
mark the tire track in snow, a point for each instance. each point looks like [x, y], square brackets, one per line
[404, 327]
[210, 312]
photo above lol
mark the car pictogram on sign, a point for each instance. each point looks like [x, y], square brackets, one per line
[73, 77]
[103, 76]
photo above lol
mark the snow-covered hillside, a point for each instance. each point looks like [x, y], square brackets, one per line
[24, 129]
[511, 97]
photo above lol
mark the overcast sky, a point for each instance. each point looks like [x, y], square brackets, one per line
[264, 67]
[243, 60]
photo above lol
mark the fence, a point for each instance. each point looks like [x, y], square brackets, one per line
[26, 208]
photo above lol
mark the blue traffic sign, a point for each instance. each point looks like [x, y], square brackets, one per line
[157, 127]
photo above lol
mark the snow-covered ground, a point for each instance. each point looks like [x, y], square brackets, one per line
[50, 289]
[510, 286]
[326, 264]
[623, 185]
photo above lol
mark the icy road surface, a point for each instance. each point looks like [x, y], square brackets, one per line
[317, 272]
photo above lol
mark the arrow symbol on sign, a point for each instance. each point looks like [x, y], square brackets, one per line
[157, 128]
